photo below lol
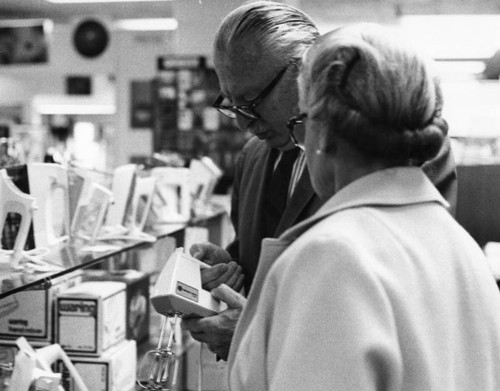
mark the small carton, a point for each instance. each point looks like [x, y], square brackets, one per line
[137, 298]
[114, 370]
[90, 317]
[29, 313]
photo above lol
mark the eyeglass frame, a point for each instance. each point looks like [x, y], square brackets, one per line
[249, 109]
[291, 123]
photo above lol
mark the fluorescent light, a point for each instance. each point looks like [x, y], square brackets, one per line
[95, 109]
[46, 23]
[454, 36]
[63, 104]
[98, 1]
[147, 24]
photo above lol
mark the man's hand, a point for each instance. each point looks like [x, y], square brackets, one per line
[210, 253]
[223, 271]
[217, 331]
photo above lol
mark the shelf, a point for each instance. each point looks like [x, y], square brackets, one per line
[76, 254]
[69, 257]
[214, 223]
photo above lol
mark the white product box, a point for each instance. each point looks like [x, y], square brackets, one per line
[114, 370]
[30, 313]
[91, 317]
[150, 259]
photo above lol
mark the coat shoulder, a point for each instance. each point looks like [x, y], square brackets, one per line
[255, 149]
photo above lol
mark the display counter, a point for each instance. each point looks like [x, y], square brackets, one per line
[73, 255]
[149, 258]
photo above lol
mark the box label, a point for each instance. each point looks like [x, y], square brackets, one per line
[29, 313]
[187, 291]
[78, 307]
[78, 315]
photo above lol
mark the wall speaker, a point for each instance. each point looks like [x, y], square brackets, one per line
[90, 38]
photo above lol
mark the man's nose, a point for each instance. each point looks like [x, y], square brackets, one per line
[245, 123]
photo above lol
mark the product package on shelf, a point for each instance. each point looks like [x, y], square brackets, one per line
[30, 313]
[90, 317]
[114, 370]
[34, 368]
[150, 259]
[137, 306]
[90, 212]
[49, 185]
[204, 177]
[122, 187]
[172, 201]
[19, 176]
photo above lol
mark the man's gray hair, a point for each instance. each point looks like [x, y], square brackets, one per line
[274, 27]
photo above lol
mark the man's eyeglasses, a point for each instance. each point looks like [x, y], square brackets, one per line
[291, 123]
[247, 111]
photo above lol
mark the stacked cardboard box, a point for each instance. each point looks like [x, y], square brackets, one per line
[137, 298]
[91, 328]
[30, 313]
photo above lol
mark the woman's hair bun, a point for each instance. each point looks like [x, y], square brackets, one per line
[375, 92]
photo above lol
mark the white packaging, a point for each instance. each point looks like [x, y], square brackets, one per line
[91, 317]
[114, 370]
[45, 381]
[30, 313]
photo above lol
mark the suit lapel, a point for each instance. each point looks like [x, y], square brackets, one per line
[254, 195]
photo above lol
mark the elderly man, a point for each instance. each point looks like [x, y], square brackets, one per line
[257, 54]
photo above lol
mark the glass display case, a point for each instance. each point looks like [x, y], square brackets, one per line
[71, 256]
[68, 259]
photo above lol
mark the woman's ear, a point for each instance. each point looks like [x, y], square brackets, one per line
[325, 139]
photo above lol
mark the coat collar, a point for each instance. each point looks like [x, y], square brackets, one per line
[392, 186]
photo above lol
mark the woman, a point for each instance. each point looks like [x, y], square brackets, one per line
[381, 289]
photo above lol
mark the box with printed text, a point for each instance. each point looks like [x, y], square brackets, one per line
[137, 298]
[90, 317]
[114, 370]
[29, 313]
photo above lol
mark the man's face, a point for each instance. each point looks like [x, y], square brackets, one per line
[243, 77]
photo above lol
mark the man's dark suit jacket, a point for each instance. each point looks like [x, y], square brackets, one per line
[254, 166]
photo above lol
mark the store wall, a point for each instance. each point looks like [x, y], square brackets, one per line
[130, 56]
[136, 61]
[198, 22]
[20, 83]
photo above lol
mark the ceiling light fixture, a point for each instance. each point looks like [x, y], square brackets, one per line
[46, 23]
[445, 37]
[76, 108]
[154, 24]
